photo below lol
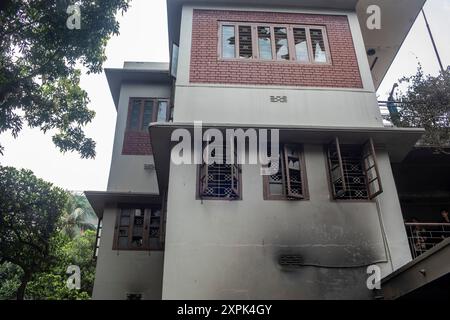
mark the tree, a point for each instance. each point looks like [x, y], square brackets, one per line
[51, 284]
[426, 104]
[39, 56]
[78, 217]
[30, 209]
[10, 275]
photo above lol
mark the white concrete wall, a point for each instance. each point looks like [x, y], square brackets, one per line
[127, 172]
[229, 249]
[122, 272]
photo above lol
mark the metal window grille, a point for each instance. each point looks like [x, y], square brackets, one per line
[424, 236]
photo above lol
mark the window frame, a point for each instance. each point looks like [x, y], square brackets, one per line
[370, 197]
[98, 236]
[235, 169]
[141, 112]
[147, 209]
[290, 38]
[285, 197]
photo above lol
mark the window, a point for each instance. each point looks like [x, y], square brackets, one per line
[281, 43]
[138, 229]
[228, 42]
[174, 60]
[220, 180]
[98, 237]
[245, 42]
[301, 45]
[143, 111]
[289, 183]
[353, 171]
[304, 44]
[265, 43]
[318, 45]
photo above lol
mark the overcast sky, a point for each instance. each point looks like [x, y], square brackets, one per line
[143, 37]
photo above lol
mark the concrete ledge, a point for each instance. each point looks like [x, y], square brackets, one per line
[429, 269]
[99, 199]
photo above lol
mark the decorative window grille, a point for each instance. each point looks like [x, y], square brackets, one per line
[220, 180]
[353, 171]
[289, 183]
[138, 229]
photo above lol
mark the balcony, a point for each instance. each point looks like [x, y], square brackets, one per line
[424, 236]
[393, 116]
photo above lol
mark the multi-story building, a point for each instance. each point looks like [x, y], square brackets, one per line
[309, 69]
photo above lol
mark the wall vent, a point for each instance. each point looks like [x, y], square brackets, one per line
[134, 296]
[290, 261]
[149, 166]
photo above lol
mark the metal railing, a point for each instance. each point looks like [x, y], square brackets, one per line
[398, 118]
[424, 236]
[383, 105]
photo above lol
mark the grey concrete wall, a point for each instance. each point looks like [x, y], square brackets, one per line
[122, 272]
[230, 249]
[127, 172]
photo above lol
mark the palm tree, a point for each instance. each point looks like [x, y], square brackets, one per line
[78, 216]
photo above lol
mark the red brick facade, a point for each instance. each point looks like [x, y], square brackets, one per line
[136, 143]
[206, 67]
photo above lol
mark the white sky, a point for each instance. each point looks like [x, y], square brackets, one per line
[143, 37]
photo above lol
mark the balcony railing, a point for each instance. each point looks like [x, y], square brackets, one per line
[396, 118]
[424, 236]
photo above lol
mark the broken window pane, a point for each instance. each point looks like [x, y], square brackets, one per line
[265, 43]
[281, 43]
[318, 45]
[287, 183]
[293, 172]
[359, 178]
[301, 46]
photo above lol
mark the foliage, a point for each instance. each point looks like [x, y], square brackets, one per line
[426, 104]
[78, 217]
[51, 285]
[39, 55]
[10, 275]
[30, 209]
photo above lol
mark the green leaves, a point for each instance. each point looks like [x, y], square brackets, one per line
[33, 248]
[51, 284]
[78, 216]
[426, 104]
[29, 211]
[39, 82]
